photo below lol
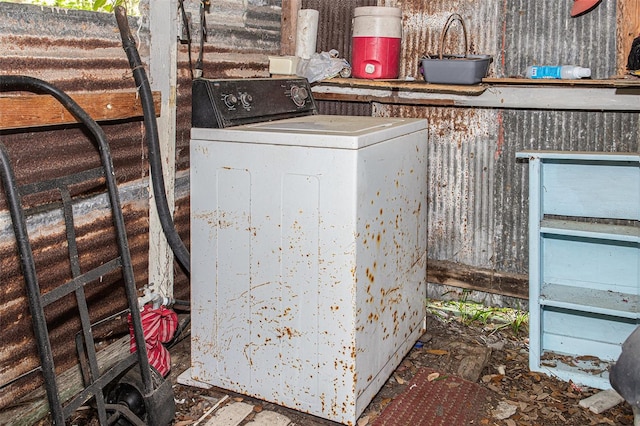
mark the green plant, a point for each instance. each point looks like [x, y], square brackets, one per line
[520, 321]
[469, 312]
[94, 5]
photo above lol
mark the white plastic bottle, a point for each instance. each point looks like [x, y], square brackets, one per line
[565, 72]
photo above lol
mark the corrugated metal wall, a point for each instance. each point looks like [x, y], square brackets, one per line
[53, 45]
[82, 51]
[477, 191]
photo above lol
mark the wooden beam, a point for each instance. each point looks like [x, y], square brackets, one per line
[24, 111]
[163, 72]
[289, 26]
[402, 85]
[472, 278]
[627, 28]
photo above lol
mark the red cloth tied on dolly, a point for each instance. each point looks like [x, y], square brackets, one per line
[159, 326]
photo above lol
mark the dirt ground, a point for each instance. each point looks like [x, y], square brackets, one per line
[536, 399]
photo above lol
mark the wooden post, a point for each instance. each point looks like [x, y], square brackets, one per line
[628, 28]
[163, 23]
[289, 26]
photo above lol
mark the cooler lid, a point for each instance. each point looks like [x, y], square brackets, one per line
[322, 131]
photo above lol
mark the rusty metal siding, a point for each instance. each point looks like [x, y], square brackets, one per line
[52, 44]
[460, 158]
[543, 33]
[516, 33]
[423, 24]
[76, 51]
[477, 191]
[19, 355]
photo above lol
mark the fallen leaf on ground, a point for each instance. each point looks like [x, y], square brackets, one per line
[385, 402]
[504, 410]
[431, 377]
[437, 352]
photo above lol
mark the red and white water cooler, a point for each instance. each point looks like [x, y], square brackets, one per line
[377, 33]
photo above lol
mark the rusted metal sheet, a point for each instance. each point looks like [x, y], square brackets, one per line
[516, 33]
[543, 33]
[78, 52]
[52, 44]
[460, 164]
[19, 355]
[478, 202]
[423, 24]
[477, 191]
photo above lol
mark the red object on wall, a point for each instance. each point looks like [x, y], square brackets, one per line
[159, 326]
[581, 6]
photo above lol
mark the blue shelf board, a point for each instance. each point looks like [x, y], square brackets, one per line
[582, 299]
[579, 371]
[579, 156]
[590, 230]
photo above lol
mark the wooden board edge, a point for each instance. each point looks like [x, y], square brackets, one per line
[30, 110]
[473, 278]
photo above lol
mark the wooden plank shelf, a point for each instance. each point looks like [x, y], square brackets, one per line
[406, 85]
[21, 111]
[629, 81]
[586, 95]
[476, 89]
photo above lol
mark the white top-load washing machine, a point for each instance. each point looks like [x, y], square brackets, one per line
[308, 245]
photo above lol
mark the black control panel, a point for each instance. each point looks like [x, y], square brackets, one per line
[233, 102]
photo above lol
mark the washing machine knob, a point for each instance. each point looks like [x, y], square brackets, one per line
[299, 95]
[246, 99]
[230, 101]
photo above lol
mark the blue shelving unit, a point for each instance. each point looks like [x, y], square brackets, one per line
[584, 261]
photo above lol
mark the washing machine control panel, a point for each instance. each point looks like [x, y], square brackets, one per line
[232, 102]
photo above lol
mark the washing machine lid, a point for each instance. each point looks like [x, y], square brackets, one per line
[322, 131]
